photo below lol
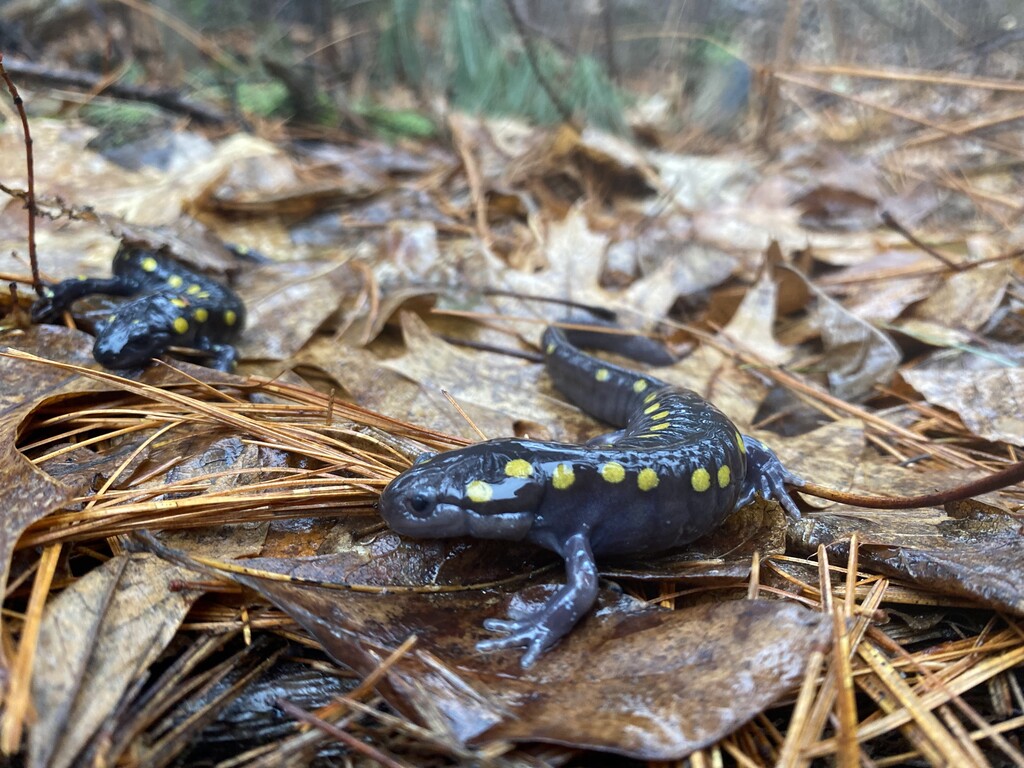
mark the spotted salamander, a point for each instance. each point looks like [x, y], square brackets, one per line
[675, 471]
[175, 307]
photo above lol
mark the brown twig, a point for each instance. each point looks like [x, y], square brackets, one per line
[30, 201]
[890, 221]
[350, 741]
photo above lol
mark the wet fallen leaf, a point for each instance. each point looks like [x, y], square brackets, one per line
[482, 380]
[306, 293]
[979, 556]
[31, 494]
[638, 681]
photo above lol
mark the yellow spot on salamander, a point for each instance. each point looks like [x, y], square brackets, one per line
[659, 427]
[201, 315]
[740, 443]
[179, 302]
[660, 415]
[724, 475]
[479, 491]
[700, 480]
[647, 479]
[230, 317]
[563, 476]
[82, 277]
[203, 295]
[111, 318]
[148, 264]
[175, 281]
[650, 397]
[519, 468]
[639, 386]
[613, 472]
[193, 289]
[180, 325]
[603, 374]
[652, 408]
[550, 349]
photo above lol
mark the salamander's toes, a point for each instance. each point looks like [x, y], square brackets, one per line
[533, 634]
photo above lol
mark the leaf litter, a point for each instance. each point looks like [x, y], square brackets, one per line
[140, 506]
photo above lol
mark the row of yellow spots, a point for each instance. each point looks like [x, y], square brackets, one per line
[612, 472]
[562, 478]
[603, 374]
[200, 315]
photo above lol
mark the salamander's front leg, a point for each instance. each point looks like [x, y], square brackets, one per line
[767, 476]
[224, 356]
[541, 630]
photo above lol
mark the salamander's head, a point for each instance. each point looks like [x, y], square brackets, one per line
[483, 491]
[139, 331]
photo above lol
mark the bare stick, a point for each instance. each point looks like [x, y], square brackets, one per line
[30, 201]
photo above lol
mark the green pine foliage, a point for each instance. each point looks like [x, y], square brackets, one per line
[479, 61]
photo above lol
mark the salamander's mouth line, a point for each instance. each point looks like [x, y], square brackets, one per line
[449, 519]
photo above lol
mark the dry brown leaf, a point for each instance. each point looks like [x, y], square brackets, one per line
[287, 303]
[857, 355]
[502, 384]
[989, 402]
[966, 300]
[751, 326]
[98, 636]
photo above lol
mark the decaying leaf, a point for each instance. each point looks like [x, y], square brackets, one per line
[979, 557]
[858, 355]
[989, 401]
[638, 681]
[751, 325]
[98, 637]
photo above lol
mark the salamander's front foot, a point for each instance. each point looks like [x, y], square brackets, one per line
[767, 476]
[539, 631]
[536, 633]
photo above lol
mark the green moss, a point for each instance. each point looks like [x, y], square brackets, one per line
[266, 99]
[122, 122]
[398, 122]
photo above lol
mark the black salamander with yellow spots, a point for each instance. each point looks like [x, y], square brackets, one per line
[675, 471]
[175, 307]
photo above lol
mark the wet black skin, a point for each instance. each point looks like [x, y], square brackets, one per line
[175, 307]
[703, 468]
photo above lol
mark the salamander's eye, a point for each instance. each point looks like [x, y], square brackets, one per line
[420, 502]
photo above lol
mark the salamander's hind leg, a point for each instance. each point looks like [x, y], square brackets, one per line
[767, 476]
[606, 440]
[541, 630]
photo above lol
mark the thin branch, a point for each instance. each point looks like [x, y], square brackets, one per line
[30, 200]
